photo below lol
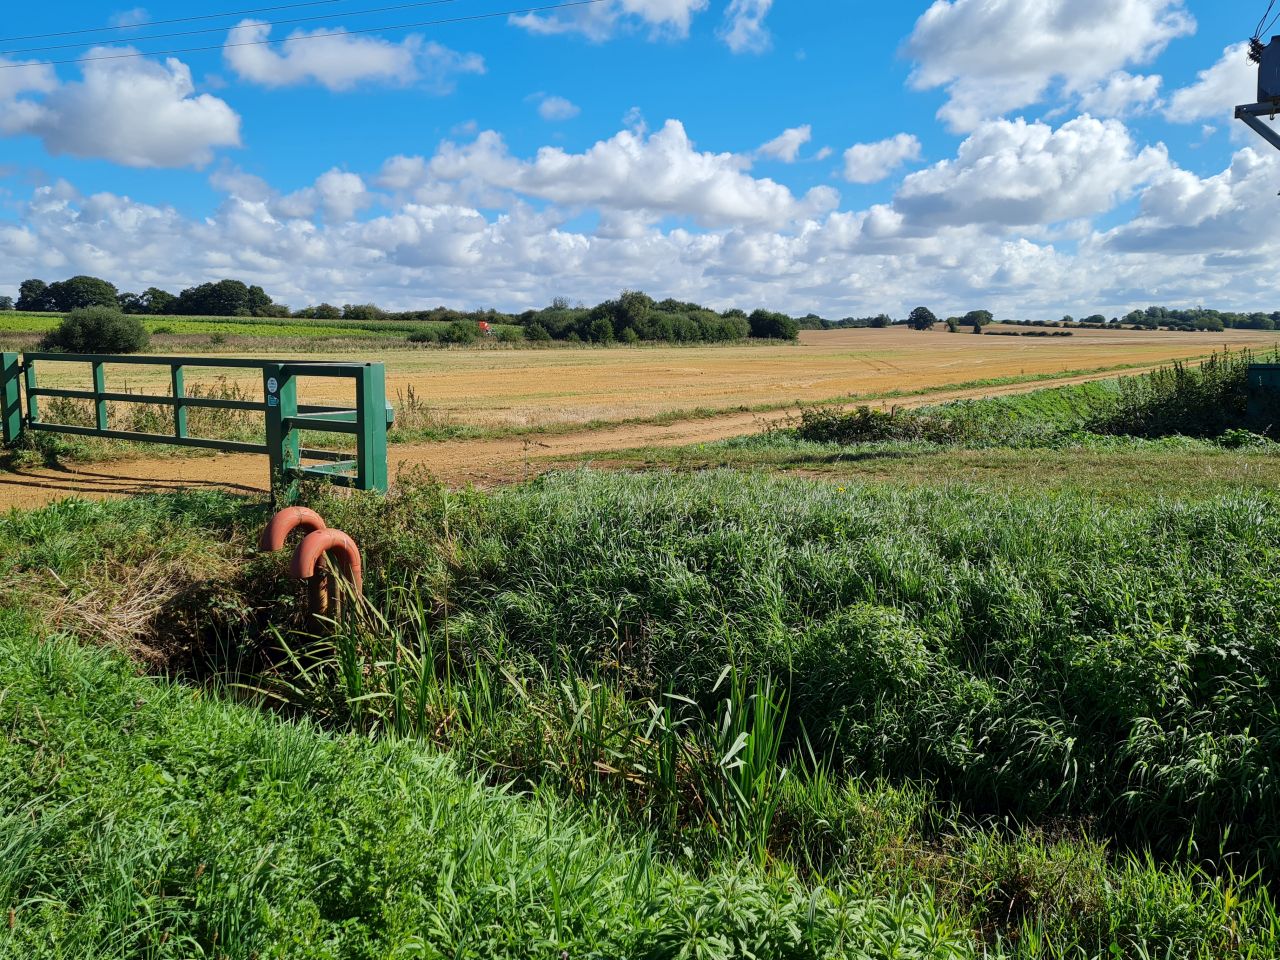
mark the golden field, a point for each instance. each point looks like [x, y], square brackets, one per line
[559, 386]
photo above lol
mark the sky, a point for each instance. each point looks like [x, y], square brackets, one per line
[841, 157]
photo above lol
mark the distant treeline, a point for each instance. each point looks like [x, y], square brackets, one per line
[631, 318]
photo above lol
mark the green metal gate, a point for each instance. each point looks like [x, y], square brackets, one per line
[285, 417]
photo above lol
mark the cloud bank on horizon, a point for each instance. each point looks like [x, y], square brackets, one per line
[1033, 157]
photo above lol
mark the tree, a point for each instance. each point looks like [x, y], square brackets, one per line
[97, 329]
[258, 302]
[1140, 318]
[130, 303]
[326, 311]
[921, 318]
[767, 325]
[226, 298]
[953, 324]
[82, 291]
[978, 319]
[6, 303]
[881, 321]
[158, 302]
[363, 312]
[34, 295]
[601, 330]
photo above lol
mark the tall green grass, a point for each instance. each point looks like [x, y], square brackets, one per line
[1207, 400]
[1050, 720]
[139, 819]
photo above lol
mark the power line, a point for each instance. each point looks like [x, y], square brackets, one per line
[315, 36]
[160, 23]
[268, 23]
[1263, 26]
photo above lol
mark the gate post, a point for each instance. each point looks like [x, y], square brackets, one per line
[11, 397]
[281, 392]
[371, 427]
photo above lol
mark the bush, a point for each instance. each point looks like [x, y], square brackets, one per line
[428, 335]
[461, 331]
[866, 425]
[766, 325]
[97, 330]
[1203, 401]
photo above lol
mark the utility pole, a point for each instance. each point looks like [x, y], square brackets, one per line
[1268, 60]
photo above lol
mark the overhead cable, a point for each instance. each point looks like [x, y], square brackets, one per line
[160, 23]
[219, 29]
[523, 11]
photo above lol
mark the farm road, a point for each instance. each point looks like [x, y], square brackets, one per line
[458, 463]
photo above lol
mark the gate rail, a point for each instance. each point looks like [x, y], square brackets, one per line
[285, 418]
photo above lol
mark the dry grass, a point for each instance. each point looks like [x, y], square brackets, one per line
[505, 388]
[117, 607]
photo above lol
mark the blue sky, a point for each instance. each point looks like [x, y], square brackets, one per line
[1035, 156]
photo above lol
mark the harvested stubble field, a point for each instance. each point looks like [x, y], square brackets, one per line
[492, 416]
[564, 386]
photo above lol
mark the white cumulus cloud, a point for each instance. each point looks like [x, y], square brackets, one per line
[786, 146]
[1020, 174]
[600, 21]
[340, 61]
[1121, 94]
[662, 174]
[1232, 80]
[743, 29]
[135, 112]
[994, 56]
[557, 108]
[873, 162]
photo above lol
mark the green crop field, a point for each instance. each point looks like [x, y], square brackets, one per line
[663, 713]
[252, 327]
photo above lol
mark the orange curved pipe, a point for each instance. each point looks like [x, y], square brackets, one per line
[320, 543]
[285, 522]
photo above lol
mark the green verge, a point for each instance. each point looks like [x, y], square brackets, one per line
[140, 819]
[1132, 473]
[1032, 726]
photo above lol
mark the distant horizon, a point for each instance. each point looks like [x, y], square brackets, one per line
[575, 303]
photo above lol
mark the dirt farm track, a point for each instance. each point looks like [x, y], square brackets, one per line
[567, 389]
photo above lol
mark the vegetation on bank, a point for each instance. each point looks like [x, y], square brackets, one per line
[141, 819]
[1209, 400]
[1032, 725]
